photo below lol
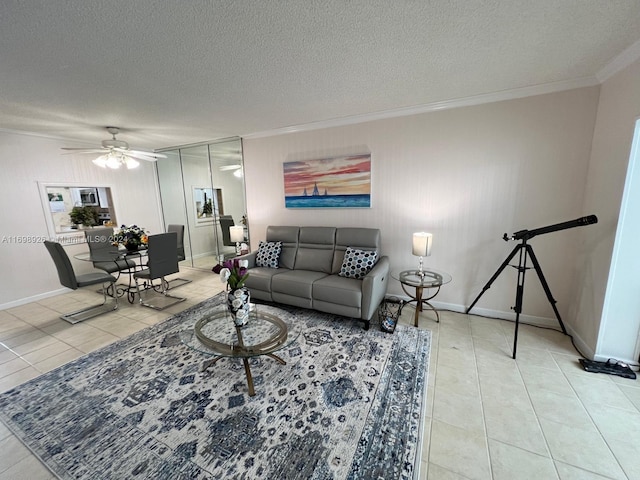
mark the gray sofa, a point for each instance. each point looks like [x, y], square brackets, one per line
[308, 267]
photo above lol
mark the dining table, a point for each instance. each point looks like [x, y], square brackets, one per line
[138, 256]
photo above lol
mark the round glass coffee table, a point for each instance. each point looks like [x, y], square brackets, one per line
[216, 335]
[419, 281]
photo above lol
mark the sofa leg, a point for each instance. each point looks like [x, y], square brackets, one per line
[366, 324]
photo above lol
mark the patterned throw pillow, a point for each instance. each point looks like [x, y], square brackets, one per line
[268, 254]
[357, 263]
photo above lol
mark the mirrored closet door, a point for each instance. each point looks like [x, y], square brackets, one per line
[202, 188]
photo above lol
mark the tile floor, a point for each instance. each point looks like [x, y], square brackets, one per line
[488, 417]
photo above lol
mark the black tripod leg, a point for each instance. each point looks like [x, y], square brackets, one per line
[522, 269]
[545, 286]
[495, 275]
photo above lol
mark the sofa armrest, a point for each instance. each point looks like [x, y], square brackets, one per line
[374, 287]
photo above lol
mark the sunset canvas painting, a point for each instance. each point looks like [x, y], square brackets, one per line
[339, 182]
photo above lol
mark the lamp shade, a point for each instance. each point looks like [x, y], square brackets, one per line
[422, 244]
[236, 233]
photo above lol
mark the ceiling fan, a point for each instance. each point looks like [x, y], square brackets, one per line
[115, 153]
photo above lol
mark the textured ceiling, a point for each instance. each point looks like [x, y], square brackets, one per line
[177, 72]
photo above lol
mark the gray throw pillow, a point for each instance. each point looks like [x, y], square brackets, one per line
[357, 263]
[268, 254]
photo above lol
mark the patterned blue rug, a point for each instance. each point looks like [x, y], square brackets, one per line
[347, 405]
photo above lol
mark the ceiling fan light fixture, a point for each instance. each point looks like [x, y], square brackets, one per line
[101, 161]
[115, 153]
[113, 160]
[130, 162]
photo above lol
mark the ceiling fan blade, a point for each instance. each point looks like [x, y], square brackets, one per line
[136, 153]
[141, 157]
[148, 154]
[84, 150]
[114, 147]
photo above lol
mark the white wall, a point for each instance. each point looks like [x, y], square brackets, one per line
[616, 330]
[467, 175]
[27, 268]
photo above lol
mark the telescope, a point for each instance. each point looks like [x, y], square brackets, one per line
[525, 252]
[528, 234]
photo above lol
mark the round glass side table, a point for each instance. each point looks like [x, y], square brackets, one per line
[419, 281]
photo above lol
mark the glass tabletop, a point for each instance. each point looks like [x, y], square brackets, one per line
[110, 255]
[216, 334]
[430, 278]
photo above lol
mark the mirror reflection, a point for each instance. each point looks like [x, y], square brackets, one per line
[208, 204]
[73, 208]
[208, 201]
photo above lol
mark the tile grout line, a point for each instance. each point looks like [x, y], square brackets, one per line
[484, 418]
[537, 417]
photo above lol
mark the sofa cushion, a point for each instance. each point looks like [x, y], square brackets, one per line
[315, 249]
[357, 263]
[297, 283]
[289, 238]
[260, 278]
[360, 238]
[268, 254]
[338, 290]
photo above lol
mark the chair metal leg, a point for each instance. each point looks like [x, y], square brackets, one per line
[161, 299]
[112, 286]
[94, 310]
[177, 282]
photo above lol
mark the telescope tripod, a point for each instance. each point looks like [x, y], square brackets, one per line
[524, 250]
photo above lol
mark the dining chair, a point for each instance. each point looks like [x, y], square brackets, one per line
[163, 261]
[226, 221]
[100, 241]
[179, 231]
[69, 279]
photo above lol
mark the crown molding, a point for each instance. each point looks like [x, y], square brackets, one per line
[433, 107]
[620, 62]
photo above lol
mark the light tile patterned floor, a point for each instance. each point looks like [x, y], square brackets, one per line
[488, 417]
[538, 417]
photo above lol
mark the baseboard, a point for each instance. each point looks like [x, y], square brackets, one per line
[34, 298]
[583, 348]
[485, 312]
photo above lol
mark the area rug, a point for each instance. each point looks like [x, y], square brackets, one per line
[348, 404]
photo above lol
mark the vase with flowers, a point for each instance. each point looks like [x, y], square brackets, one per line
[132, 237]
[235, 273]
